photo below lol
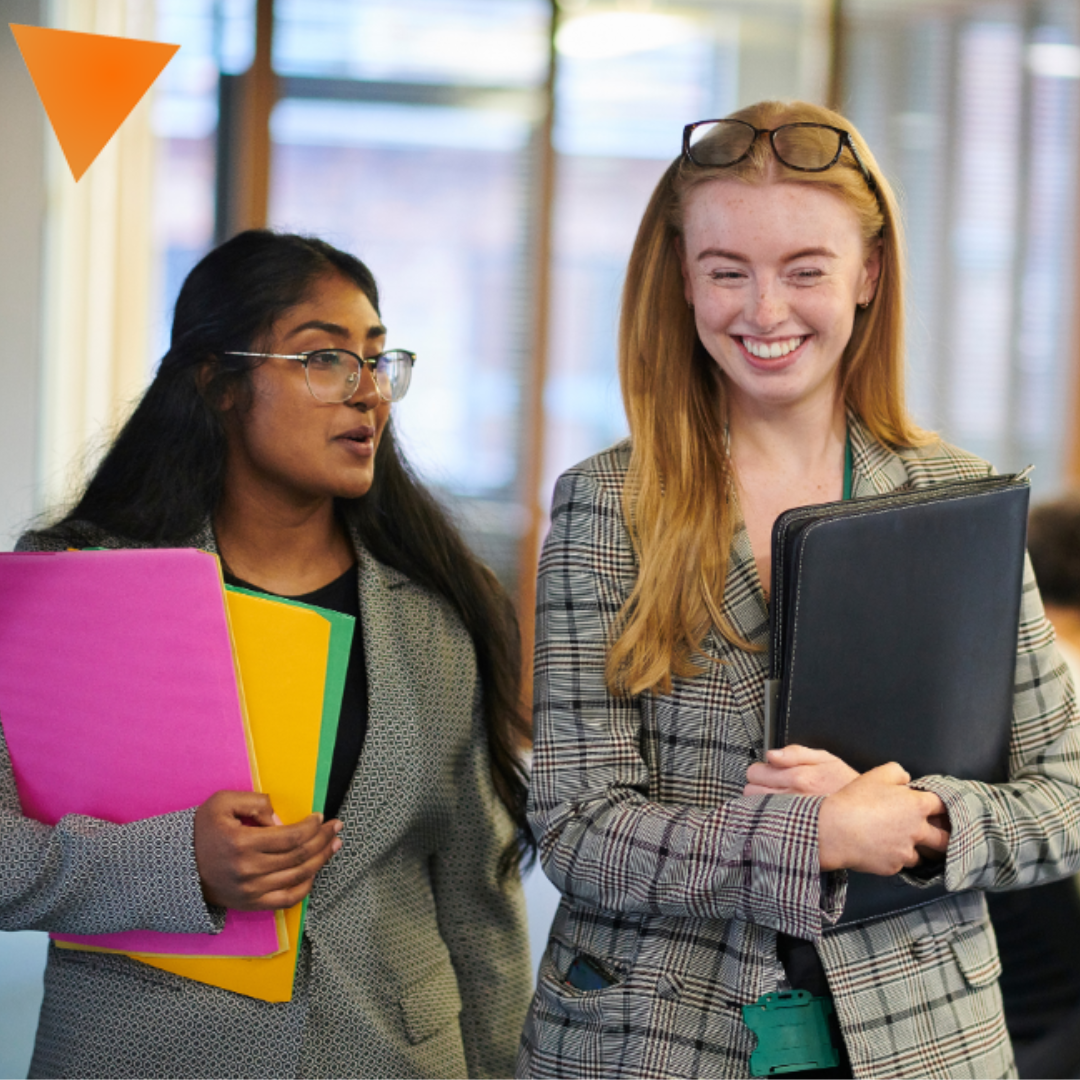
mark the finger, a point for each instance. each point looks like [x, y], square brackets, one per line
[891, 773]
[261, 862]
[283, 899]
[285, 838]
[794, 754]
[262, 892]
[932, 805]
[767, 776]
[236, 805]
[760, 789]
[912, 858]
[935, 838]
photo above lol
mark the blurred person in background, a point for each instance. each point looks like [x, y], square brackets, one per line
[1038, 930]
[267, 438]
[761, 361]
[1054, 545]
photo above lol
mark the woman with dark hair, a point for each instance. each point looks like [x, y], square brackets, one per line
[266, 436]
[761, 361]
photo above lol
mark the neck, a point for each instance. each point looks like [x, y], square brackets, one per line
[290, 547]
[792, 441]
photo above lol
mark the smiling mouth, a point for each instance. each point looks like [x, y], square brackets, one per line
[771, 350]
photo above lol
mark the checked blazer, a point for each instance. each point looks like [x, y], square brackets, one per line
[414, 960]
[677, 885]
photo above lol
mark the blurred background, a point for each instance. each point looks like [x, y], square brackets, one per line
[490, 161]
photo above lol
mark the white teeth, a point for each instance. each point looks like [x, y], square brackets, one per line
[771, 350]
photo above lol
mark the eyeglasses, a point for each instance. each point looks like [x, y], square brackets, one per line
[334, 374]
[807, 147]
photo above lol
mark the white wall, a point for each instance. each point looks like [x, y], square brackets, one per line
[22, 210]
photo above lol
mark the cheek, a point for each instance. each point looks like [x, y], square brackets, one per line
[382, 414]
[717, 307]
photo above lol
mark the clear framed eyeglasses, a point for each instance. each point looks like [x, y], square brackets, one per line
[334, 374]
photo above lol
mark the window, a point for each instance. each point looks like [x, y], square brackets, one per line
[973, 113]
[406, 133]
[216, 36]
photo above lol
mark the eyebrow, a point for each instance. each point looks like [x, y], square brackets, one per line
[376, 331]
[734, 256]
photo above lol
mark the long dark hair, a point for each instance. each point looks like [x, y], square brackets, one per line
[163, 476]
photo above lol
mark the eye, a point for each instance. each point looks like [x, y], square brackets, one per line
[806, 275]
[326, 360]
[725, 275]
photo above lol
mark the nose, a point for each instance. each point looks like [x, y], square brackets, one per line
[366, 395]
[766, 307]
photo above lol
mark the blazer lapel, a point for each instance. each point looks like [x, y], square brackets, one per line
[391, 762]
[746, 612]
[875, 468]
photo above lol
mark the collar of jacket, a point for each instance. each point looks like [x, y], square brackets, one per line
[875, 468]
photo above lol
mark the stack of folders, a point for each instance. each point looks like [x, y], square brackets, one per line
[893, 629]
[134, 683]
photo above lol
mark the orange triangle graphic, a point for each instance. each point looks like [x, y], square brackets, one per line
[88, 83]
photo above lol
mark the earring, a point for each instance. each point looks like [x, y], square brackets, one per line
[690, 303]
[864, 304]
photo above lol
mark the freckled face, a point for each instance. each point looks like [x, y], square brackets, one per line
[775, 272]
[289, 442]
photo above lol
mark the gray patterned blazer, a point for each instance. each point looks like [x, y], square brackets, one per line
[414, 962]
[678, 884]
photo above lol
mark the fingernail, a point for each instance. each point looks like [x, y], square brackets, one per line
[321, 818]
[277, 820]
[338, 826]
[336, 846]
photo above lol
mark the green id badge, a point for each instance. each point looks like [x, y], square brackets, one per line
[792, 1028]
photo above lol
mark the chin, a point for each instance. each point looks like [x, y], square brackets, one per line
[354, 489]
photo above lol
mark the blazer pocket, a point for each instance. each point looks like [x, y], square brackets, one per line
[431, 1004]
[977, 956]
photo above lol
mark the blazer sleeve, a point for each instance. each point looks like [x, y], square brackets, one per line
[1025, 831]
[482, 919]
[602, 840]
[87, 876]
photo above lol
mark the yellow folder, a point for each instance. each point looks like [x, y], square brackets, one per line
[292, 659]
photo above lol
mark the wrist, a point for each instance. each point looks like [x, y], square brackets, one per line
[829, 855]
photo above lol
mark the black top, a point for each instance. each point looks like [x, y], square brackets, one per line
[340, 595]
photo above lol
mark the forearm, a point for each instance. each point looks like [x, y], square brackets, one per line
[1026, 830]
[85, 876]
[1008, 836]
[754, 859]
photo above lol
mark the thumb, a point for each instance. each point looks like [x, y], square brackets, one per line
[890, 773]
[251, 808]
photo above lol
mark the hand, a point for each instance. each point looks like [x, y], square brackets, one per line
[797, 770]
[249, 861]
[879, 825]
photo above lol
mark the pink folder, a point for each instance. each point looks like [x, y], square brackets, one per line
[119, 700]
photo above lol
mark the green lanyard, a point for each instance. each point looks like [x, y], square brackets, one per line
[847, 468]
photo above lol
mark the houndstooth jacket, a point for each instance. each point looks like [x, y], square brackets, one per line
[678, 884]
[415, 960]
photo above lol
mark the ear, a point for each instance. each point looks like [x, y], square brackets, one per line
[872, 272]
[204, 373]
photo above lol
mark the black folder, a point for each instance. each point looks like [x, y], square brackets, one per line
[893, 626]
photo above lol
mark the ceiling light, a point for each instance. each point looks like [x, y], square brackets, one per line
[607, 34]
